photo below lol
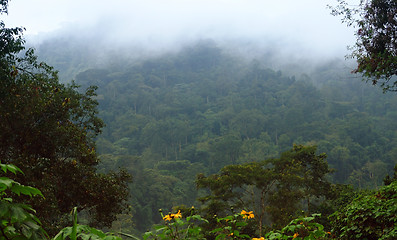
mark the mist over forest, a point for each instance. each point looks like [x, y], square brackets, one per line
[219, 118]
[196, 107]
[70, 53]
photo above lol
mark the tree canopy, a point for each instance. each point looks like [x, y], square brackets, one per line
[376, 46]
[167, 120]
[48, 129]
[273, 188]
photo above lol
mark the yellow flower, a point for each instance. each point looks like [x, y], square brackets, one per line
[261, 238]
[295, 235]
[168, 217]
[171, 216]
[178, 214]
[247, 214]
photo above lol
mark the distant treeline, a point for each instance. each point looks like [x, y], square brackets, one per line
[172, 117]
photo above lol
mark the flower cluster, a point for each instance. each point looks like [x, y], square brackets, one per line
[246, 214]
[171, 216]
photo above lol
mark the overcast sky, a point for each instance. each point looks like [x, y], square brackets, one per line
[306, 23]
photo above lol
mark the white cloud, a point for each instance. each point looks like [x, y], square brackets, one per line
[305, 22]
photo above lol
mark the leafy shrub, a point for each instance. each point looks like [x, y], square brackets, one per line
[176, 227]
[17, 220]
[301, 228]
[83, 232]
[370, 216]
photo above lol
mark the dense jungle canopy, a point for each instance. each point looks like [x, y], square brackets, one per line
[200, 126]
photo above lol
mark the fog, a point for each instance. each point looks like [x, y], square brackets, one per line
[306, 22]
[290, 31]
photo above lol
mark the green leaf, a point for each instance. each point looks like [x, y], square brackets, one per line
[217, 230]
[85, 237]
[4, 210]
[73, 235]
[25, 190]
[220, 236]
[241, 224]
[26, 231]
[63, 233]
[110, 237]
[5, 183]
[18, 214]
[160, 228]
[96, 232]
[9, 167]
[130, 236]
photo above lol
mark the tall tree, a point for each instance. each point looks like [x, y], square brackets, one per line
[273, 188]
[376, 46]
[48, 129]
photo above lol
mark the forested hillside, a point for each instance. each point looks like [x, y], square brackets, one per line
[207, 139]
[172, 117]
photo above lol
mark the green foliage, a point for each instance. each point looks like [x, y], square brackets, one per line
[176, 227]
[83, 232]
[17, 220]
[232, 227]
[376, 48]
[165, 111]
[196, 111]
[369, 216]
[274, 188]
[48, 129]
[388, 180]
[300, 228]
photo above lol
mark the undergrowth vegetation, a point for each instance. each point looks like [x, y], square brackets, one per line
[370, 216]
